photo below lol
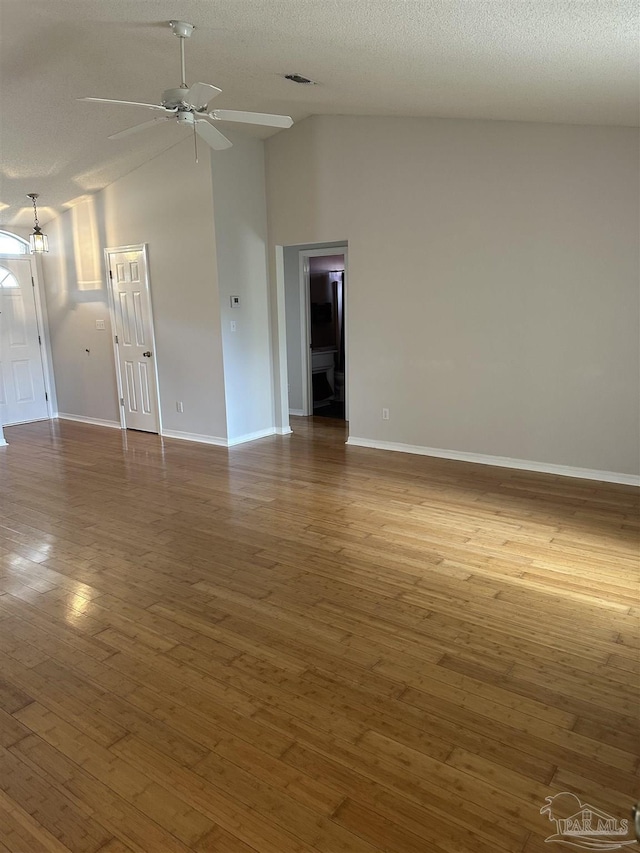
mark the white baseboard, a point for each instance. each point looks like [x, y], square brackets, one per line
[212, 439]
[251, 436]
[65, 416]
[297, 413]
[194, 436]
[284, 430]
[500, 461]
[3, 443]
[32, 421]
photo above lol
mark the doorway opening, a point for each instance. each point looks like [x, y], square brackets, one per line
[316, 297]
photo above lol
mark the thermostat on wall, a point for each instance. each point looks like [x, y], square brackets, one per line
[235, 301]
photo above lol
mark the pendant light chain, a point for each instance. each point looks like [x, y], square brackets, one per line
[38, 241]
[34, 196]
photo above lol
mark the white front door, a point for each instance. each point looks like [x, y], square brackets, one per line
[128, 275]
[22, 388]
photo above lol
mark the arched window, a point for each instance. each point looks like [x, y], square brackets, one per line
[10, 244]
[7, 279]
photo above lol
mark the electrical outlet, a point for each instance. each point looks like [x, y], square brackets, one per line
[233, 325]
[235, 301]
[385, 414]
[179, 406]
[100, 325]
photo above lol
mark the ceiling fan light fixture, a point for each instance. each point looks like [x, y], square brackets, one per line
[300, 78]
[38, 242]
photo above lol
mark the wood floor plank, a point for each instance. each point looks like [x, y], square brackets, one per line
[460, 823]
[116, 813]
[21, 832]
[53, 811]
[297, 646]
[157, 802]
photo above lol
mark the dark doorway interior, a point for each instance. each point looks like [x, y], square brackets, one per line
[326, 283]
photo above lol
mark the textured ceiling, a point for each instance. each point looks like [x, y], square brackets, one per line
[573, 61]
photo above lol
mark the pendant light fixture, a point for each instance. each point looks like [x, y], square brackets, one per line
[38, 241]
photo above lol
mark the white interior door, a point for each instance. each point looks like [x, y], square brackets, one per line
[23, 395]
[135, 348]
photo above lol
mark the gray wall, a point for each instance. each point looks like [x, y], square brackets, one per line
[240, 213]
[168, 204]
[493, 279]
[205, 225]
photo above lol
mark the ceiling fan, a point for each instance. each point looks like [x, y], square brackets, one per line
[189, 105]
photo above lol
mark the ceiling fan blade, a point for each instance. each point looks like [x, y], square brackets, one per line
[252, 118]
[201, 93]
[211, 136]
[137, 127]
[127, 103]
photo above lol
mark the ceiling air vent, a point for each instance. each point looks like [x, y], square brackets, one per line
[298, 78]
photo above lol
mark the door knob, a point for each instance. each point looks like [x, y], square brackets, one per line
[147, 354]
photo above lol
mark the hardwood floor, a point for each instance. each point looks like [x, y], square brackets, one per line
[298, 646]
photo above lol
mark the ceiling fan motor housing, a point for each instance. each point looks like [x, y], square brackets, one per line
[185, 117]
[172, 98]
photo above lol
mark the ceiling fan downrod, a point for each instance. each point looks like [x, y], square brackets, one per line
[183, 30]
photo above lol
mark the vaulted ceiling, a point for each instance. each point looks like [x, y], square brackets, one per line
[572, 61]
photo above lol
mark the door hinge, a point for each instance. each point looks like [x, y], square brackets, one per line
[111, 275]
[39, 340]
[122, 401]
[33, 284]
[116, 337]
[46, 396]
